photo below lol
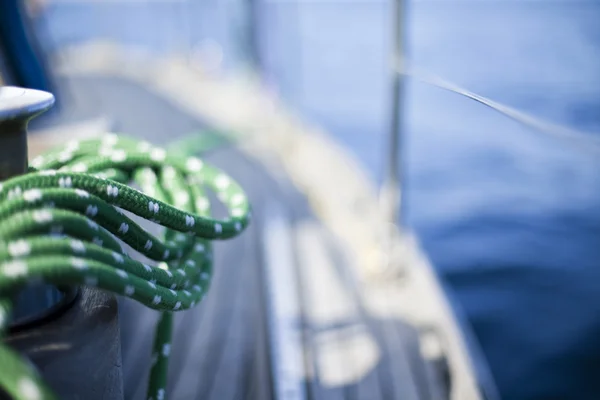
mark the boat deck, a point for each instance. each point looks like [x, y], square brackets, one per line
[283, 318]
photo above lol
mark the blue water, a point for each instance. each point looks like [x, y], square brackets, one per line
[509, 217]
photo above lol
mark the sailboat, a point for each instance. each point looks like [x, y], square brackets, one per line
[326, 295]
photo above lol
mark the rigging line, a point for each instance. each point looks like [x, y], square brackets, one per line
[580, 137]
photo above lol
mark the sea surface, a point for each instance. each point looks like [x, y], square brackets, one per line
[510, 217]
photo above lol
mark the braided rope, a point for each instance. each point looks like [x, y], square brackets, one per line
[63, 223]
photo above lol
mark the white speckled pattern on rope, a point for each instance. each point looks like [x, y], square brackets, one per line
[60, 223]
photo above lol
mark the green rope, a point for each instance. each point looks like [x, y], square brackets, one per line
[63, 223]
[203, 143]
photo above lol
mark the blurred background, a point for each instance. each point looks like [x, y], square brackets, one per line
[508, 215]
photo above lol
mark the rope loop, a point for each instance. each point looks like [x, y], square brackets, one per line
[65, 221]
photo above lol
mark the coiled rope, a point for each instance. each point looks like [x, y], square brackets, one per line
[62, 223]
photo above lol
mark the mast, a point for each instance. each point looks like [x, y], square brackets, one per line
[391, 198]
